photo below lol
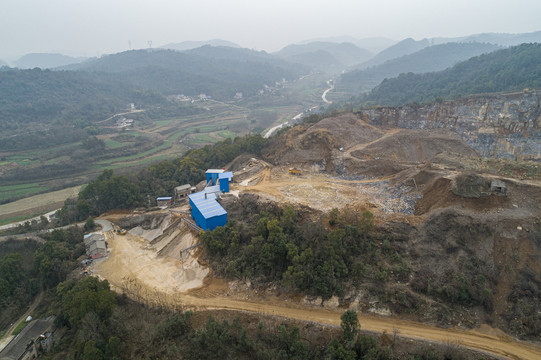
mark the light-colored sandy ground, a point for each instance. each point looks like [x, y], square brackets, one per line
[134, 257]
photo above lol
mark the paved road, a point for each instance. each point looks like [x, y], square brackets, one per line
[5, 340]
[324, 96]
[105, 224]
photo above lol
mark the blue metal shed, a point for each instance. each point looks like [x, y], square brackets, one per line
[206, 211]
[212, 174]
[164, 200]
[224, 179]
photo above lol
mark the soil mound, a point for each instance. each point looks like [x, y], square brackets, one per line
[440, 195]
[316, 144]
[348, 130]
[415, 146]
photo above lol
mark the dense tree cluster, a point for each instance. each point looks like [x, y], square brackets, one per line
[64, 97]
[24, 265]
[273, 244]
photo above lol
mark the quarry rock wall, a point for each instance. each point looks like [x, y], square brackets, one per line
[500, 125]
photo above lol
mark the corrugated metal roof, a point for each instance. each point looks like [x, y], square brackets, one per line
[214, 171]
[212, 189]
[164, 198]
[208, 207]
[200, 196]
[226, 175]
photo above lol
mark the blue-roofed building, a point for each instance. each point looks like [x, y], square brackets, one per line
[207, 213]
[212, 175]
[224, 180]
[164, 201]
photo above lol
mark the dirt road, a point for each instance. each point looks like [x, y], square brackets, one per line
[135, 269]
[493, 344]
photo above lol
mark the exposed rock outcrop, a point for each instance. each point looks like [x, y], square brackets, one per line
[501, 125]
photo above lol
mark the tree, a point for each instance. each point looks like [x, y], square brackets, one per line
[89, 224]
[87, 295]
[350, 326]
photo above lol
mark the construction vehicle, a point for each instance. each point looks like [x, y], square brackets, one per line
[295, 171]
[122, 231]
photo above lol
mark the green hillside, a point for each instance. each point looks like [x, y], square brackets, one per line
[432, 58]
[511, 69]
[220, 72]
[325, 56]
[39, 99]
[404, 47]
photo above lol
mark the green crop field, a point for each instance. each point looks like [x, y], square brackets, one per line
[16, 191]
[16, 219]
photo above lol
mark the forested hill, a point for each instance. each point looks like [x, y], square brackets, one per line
[44, 97]
[404, 47]
[323, 55]
[219, 72]
[432, 58]
[511, 69]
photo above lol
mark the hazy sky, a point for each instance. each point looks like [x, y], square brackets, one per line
[96, 27]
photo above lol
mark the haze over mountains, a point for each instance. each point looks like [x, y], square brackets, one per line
[512, 69]
[46, 61]
[333, 54]
[187, 45]
[428, 59]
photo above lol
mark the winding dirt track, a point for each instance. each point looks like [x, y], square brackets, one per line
[497, 345]
[160, 279]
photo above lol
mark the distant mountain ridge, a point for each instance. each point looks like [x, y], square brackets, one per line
[197, 71]
[46, 61]
[512, 69]
[502, 39]
[431, 58]
[188, 45]
[325, 55]
[373, 44]
[404, 47]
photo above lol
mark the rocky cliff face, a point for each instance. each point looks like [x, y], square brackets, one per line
[502, 126]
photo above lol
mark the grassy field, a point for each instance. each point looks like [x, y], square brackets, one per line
[16, 219]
